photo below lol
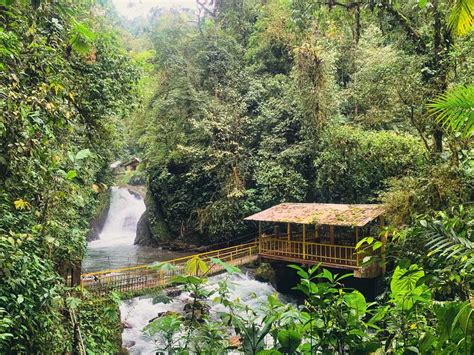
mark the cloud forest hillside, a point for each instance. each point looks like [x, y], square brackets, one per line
[264, 102]
[226, 111]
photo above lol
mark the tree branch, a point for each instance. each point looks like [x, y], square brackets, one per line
[406, 25]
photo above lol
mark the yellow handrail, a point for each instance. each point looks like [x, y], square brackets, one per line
[297, 250]
[142, 276]
[172, 261]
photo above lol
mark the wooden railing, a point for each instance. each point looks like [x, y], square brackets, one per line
[144, 276]
[341, 255]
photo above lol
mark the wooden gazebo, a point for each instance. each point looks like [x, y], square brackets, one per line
[321, 233]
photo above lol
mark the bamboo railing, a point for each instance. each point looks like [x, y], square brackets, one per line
[144, 276]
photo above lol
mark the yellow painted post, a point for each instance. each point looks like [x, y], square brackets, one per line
[384, 242]
[357, 241]
[304, 241]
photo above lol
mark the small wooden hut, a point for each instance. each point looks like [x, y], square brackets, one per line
[311, 233]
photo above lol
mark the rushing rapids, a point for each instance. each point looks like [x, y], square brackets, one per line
[137, 312]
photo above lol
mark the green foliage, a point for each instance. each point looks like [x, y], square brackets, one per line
[441, 244]
[455, 108]
[461, 18]
[30, 298]
[333, 319]
[354, 164]
[336, 315]
[65, 84]
[99, 320]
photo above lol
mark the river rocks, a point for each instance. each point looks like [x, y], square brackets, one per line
[97, 223]
[264, 273]
[144, 236]
[173, 292]
[128, 344]
[126, 325]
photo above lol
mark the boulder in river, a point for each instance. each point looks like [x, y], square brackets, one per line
[264, 273]
[144, 235]
[98, 221]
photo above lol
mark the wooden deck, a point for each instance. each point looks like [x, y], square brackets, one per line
[311, 253]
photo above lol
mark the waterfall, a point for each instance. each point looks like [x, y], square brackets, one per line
[121, 223]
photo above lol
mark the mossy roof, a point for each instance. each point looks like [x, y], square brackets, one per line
[320, 213]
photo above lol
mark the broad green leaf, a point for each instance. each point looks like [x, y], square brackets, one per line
[356, 301]
[422, 3]
[162, 266]
[229, 268]
[289, 340]
[71, 174]
[85, 153]
[196, 265]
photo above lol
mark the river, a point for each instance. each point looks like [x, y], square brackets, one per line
[115, 249]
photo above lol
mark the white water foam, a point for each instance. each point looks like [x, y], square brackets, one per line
[121, 223]
[137, 312]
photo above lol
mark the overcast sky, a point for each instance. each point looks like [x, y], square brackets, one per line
[136, 8]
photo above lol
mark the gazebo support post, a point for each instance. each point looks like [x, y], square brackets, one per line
[304, 241]
[259, 237]
[384, 242]
[357, 241]
[288, 231]
[331, 235]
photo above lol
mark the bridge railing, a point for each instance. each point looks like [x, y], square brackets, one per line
[341, 255]
[145, 276]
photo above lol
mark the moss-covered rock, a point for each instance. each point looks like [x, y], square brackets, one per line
[152, 229]
[264, 273]
[100, 215]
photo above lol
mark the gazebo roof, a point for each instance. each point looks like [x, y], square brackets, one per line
[320, 213]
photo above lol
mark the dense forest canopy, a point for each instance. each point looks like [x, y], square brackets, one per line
[264, 102]
[234, 108]
[66, 85]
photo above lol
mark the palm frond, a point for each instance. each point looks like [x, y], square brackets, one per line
[447, 243]
[461, 18]
[455, 109]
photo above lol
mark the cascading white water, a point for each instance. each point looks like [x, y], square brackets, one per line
[121, 223]
[137, 312]
[115, 249]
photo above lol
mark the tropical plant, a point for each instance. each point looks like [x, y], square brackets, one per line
[455, 110]
[335, 314]
[461, 18]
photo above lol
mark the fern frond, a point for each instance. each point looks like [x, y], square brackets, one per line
[455, 110]
[446, 243]
[461, 18]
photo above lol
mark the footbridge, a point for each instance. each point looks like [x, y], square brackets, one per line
[142, 277]
[326, 234]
